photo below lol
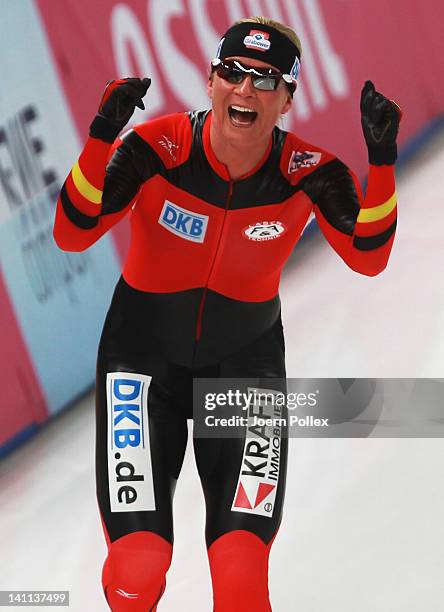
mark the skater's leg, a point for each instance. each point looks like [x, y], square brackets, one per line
[244, 492]
[133, 576]
[140, 445]
[239, 539]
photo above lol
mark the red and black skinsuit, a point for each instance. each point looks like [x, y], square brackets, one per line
[198, 297]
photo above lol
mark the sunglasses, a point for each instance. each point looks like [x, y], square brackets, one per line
[265, 79]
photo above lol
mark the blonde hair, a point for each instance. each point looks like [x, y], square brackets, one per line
[280, 27]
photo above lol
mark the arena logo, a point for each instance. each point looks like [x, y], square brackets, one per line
[169, 145]
[126, 594]
[257, 40]
[130, 474]
[306, 159]
[259, 473]
[182, 222]
[267, 230]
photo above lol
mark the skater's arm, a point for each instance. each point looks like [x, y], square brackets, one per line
[361, 229]
[97, 194]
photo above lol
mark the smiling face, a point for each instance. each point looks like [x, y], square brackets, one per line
[230, 101]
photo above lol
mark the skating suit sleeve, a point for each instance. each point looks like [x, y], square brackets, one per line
[360, 229]
[104, 184]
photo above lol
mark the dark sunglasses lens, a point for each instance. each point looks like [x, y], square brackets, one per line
[230, 74]
[235, 75]
[265, 83]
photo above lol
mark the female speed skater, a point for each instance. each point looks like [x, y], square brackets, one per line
[217, 201]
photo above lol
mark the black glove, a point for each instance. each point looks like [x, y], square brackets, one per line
[380, 119]
[119, 100]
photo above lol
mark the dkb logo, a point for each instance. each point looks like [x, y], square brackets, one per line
[129, 455]
[183, 223]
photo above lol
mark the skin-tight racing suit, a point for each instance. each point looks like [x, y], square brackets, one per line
[198, 297]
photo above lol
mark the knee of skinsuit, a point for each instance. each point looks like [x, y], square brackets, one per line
[239, 572]
[133, 576]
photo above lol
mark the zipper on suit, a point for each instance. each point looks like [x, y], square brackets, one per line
[204, 294]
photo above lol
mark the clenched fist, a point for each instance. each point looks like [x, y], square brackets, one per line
[117, 105]
[380, 119]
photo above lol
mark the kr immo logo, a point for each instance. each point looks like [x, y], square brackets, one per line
[259, 472]
[129, 456]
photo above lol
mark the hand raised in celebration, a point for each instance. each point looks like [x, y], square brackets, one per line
[380, 119]
[121, 97]
[117, 105]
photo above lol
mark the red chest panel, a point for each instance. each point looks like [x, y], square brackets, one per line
[179, 242]
[192, 227]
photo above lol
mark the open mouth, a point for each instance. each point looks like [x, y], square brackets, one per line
[241, 116]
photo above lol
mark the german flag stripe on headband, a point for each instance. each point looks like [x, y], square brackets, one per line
[261, 42]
